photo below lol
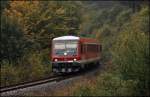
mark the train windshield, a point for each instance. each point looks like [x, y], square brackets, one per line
[65, 48]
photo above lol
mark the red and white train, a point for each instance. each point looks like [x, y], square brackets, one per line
[71, 53]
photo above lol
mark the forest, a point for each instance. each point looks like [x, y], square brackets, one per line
[122, 27]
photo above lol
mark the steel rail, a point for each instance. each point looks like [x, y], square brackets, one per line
[29, 84]
[53, 78]
[25, 82]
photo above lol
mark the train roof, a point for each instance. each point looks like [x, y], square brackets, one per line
[67, 38]
[82, 39]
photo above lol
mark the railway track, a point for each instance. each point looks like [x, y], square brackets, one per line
[33, 83]
[53, 78]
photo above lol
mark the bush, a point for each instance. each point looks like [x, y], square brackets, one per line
[127, 40]
[32, 66]
[83, 91]
[9, 74]
[131, 52]
[35, 65]
[45, 55]
[108, 84]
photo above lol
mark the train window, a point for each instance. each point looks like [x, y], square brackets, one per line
[100, 48]
[90, 48]
[69, 47]
[59, 46]
[81, 48]
[73, 45]
[85, 48]
[94, 47]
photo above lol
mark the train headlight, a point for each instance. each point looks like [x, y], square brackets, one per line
[75, 59]
[65, 54]
[56, 60]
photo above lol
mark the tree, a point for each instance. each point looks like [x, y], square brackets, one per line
[12, 40]
[35, 23]
[44, 20]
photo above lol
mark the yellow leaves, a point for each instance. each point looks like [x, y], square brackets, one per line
[7, 11]
[60, 11]
[140, 21]
[24, 6]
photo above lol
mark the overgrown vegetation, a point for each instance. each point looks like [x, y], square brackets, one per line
[122, 27]
[31, 66]
[27, 28]
[125, 39]
[108, 84]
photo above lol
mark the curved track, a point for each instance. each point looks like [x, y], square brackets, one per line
[33, 83]
[54, 78]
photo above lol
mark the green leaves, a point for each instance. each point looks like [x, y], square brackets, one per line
[125, 40]
[12, 38]
[33, 24]
[131, 51]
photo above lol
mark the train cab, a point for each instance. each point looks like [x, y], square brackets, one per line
[72, 53]
[65, 54]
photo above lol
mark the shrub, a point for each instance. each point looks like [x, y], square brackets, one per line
[131, 52]
[83, 91]
[9, 74]
[109, 84]
[35, 65]
[32, 66]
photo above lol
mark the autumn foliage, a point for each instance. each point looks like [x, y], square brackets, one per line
[122, 27]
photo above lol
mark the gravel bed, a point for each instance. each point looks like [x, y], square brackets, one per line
[47, 87]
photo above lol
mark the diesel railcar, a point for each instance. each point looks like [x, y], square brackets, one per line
[72, 53]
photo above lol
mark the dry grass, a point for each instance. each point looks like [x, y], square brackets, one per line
[66, 89]
[85, 81]
[69, 89]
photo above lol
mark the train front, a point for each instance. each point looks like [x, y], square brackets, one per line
[65, 54]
